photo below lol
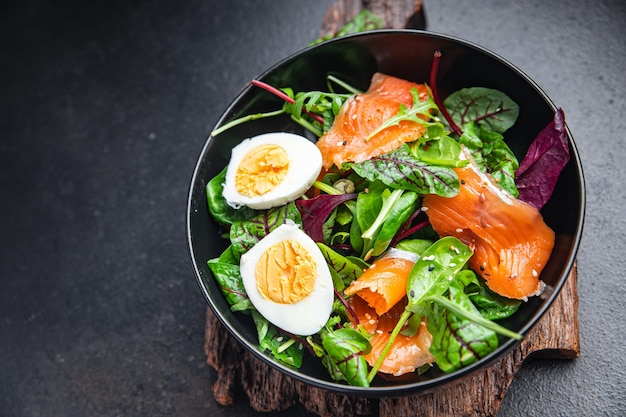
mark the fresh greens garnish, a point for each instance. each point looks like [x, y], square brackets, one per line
[382, 211]
[419, 112]
[487, 107]
[400, 169]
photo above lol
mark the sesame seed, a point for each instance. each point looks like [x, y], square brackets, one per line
[459, 230]
[534, 273]
[279, 338]
[424, 208]
[372, 321]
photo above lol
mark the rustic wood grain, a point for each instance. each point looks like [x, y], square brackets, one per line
[395, 14]
[239, 372]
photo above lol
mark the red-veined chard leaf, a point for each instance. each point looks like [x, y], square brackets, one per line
[545, 159]
[346, 269]
[345, 347]
[399, 169]
[245, 234]
[229, 279]
[488, 107]
[457, 340]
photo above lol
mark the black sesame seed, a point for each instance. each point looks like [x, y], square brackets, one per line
[431, 267]
[412, 293]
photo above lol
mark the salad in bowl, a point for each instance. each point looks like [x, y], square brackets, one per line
[385, 211]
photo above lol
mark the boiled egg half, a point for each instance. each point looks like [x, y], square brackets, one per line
[270, 170]
[288, 281]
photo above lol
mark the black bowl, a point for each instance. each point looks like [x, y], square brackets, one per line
[407, 54]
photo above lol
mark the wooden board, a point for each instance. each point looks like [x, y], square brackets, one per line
[556, 335]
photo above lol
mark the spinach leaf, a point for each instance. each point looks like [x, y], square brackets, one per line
[417, 246]
[443, 151]
[345, 348]
[380, 213]
[245, 234]
[229, 279]
[491, 305]
[219, 208]
[399, 213]
[286, 350]
[457, 340]
[399, 169]
[492, 155]
[433, 272]
[488, 107]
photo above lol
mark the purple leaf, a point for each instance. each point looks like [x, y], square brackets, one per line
[546, 157]
[315, 211]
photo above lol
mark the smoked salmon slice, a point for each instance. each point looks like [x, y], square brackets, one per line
[407, 353]
[347, 140]
[378, 302]
[383, 284]
[511, 242]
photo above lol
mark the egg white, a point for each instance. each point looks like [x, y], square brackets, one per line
[305, 164]
[306, 316]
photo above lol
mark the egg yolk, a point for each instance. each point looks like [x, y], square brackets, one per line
[286, 272]
[261, 170]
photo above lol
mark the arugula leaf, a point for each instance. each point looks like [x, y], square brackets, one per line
[245, 234]
[489, 108]
[545, 159]
[419, 112]
[399, 169]
[219, 208]
[326, 105]
[492, 155]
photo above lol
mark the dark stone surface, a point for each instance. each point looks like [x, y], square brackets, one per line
[104, 107]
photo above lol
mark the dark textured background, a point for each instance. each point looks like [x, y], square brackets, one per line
[104, 108]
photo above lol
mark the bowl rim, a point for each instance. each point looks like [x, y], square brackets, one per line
[438, 381]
